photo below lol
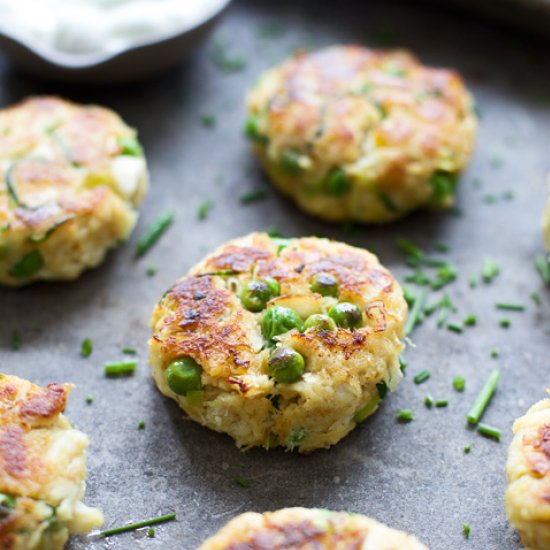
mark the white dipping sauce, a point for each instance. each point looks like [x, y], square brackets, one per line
[100, 26]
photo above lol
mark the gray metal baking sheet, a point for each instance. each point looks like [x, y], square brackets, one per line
[413, 476]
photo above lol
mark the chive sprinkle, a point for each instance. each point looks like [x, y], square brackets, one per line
[138, 525]
[490, 270]
[494, 353]
[208, 120]
[467, 448]
[151, 532]
[416, 310]
[459, 383]
[542, 263]
[470, 320]
[152, 270]
[482, 400]
[489, 431]
[429, 401]
[466, 530]
[129, 351]
[441, 402]
[422, 376]
[253, 196]
[204, 209]
[15, 340]
[402, 363]
[86, 347]
[510, 307]
[405, 415]
[242, 482]
[153, 233]
[455, 327]
[89, 399]
[141, 425]
[504, 323]
[535, 296]
[472, 281]
[120, 368]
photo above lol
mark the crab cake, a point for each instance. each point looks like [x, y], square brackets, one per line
[71, 178]
[287, 342]
[528, 476]
[42, 468]
[304, 529]
[362, 135]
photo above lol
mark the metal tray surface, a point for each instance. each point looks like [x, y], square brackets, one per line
[413, 476]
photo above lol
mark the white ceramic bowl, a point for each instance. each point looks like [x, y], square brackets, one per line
[136, 62]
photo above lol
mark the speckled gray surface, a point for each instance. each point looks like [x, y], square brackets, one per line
[414, 477]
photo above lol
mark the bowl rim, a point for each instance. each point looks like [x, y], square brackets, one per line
[84, 61]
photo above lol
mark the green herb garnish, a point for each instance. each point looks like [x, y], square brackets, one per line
[490, 270]
[483, 398]
[467, 448]
[120, 368]
[405, 415]
[141, 425]
[86, 347]
[89, 399]
[510, 307]
[138, 525]
[455, 327]
[459, 383]
[542, 263]
[204, 209]
[208, 121]
[242, 482]
[466, 528]
[15, 340]
[422, 376]
[470, 320]
[504, 323]
[27, 266]
[416, 311]
[253, 196]
[441, 403]
[429, 401]
[153, 233]
[130, 146]
[489, 431]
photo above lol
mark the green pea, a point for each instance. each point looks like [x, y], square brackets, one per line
[130, 146]
[345, 315]
[278, 320]
[183, 376]
[286, 365]
[337, 183]
[257, 293]
[325, 284]
[319, 321]
[7, 501]
[253, 131]
[444, 184]
[27, 266]
[290, 161]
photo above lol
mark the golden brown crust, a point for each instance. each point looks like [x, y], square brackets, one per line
[385, 120]
[308, 529]
[202, 317]
[68, 188]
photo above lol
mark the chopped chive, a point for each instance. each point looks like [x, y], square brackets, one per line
[442, 247]
[274, 232]
[153, 233]
[489, 431]
[422, 377]
[138, 525]
[467, 448]
[129, 351]
[470, 320]
[482, 400]
[416, 310]
[441, 402]
[409, 295]
[120, 368]
[410, 249]
[455, 327]
[489, 198]
[141, 425]
[204, 209]
[472, 281]
[208, 120]
[86, 347]
[494, 353]
[496, 161]
[253, 196]
[445, 305]
[429, 309]
[89, 399]
[151, 532]
[508, 195]
[15, 340]
[490, 270]
[152, 270]
[535, 296]
[542, 263]
[504, 323]
[270, 29]
[429, 401]
[242, 482]
[27, 266]
[477, 183]
[466, 530]
[405, 415]
[459, 383]
[402, 363]
[510, 307]
[225, 61]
